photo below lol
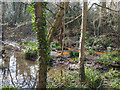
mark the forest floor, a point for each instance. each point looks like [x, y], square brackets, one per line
[92, 61]
[71, 63]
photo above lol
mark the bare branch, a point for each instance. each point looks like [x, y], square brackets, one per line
[88, 10]
[91, 6]
[60, 6]
[49, 22]
[50, 11]
[72, 20]
[107, 8]
[25, 3]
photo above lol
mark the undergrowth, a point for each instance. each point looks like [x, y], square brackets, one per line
[110, 58]
[113, 78]
[8, 87]
[71, 80]
[55, 45]
[99, 43]
[30, 49]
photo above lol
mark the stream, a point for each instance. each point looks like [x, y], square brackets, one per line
[17, 71]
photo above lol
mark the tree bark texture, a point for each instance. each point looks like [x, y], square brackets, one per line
[42, 44]
[82, 42]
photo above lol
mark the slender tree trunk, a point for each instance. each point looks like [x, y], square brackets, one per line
[17, 9]
[103, 11]
[57, 22]
[119, 25]
[3, 26]
[61, 38]
[40, 23]
[15, 14]
[62, 32]
[82, 42]
[3, 19]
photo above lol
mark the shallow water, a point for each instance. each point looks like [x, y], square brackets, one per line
[19, 72]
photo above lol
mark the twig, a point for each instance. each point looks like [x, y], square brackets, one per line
[49, 22]
[88, 10]
[50, 11]
[107, 8]
[25, 3]
[60, 6]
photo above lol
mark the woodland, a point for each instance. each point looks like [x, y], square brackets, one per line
[62, 45]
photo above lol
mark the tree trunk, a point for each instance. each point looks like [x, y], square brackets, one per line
[82, 42]
[17, 9]
[119, 25]
[62, 32]
[42, 45]
[57, 22]
[3, 19]
[103, 11]
[3, 26]
[61, 38]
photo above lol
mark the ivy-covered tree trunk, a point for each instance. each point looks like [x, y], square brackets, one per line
[42, 47]
[82, 42]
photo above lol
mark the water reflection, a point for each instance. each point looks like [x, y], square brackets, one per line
[19, 72]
